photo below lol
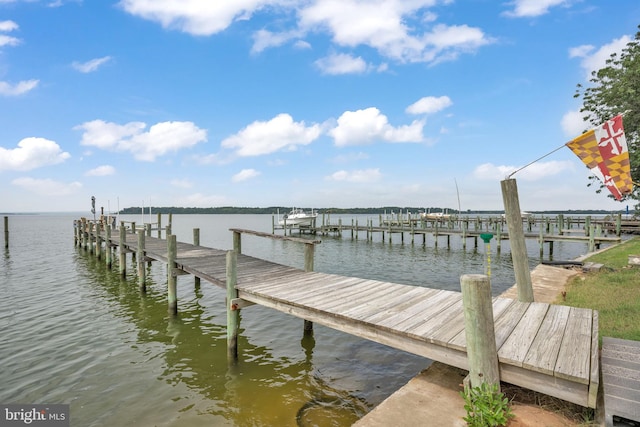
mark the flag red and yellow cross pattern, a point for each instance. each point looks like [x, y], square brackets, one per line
[604, 150]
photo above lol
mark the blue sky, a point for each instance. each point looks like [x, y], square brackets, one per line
[315, 103]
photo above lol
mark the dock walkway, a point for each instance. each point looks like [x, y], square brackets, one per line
[547, 348]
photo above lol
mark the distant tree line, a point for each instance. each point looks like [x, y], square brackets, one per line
[367, 211]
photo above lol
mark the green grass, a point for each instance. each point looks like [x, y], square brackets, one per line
[614, 291]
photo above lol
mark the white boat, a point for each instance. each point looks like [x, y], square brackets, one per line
[298, 217]
[435, 215]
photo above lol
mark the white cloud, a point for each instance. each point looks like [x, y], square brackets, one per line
[264, 39]
[429, 105]
[278, 134]
[386, 26]
[532, 8]
[92, 65]
[103, 170]
[350, 157]
[594, 59]
[244, 175]
[369, 125]
[7, 89]
[383, 26]
[6, 26]
[534, 172]
[31, 153]
[341, 63]
[8, 40]
[357, 176]
[573, 124]
[47, 187]
[197, 17]
[159, 140]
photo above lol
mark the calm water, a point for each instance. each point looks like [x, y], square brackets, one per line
[76, 333]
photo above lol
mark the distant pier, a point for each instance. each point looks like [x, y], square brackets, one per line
[544, 229]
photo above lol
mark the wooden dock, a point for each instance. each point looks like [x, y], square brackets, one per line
[547, 348]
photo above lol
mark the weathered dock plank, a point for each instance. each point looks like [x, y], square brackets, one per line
[515, 348]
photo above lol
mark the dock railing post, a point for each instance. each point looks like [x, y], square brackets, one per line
[517, 240]
[233, 314]
[141, 267]
[172, 279]
[237, 242]
[479, 330]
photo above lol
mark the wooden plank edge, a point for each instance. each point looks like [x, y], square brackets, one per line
[594, 378]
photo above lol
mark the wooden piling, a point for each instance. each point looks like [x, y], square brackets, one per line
[85, 235]
[6, 232]
[233, 314]
[108, 251]
[309, 251]
[479, 330]
[122, 252]
[98, 241]
[142, 279]
[172, 279]
[517, 240]
[91, 238]
[196, 242]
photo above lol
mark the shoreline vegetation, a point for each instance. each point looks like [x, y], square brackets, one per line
[613, 291]
[371, 211]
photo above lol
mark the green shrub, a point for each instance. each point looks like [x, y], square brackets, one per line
[486, 406]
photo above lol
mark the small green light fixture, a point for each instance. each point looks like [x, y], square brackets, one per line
[486, 238]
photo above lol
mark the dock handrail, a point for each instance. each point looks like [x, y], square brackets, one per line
[309, 245]
[275, 236]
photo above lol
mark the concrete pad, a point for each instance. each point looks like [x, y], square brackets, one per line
[548, 283]
[431, 398]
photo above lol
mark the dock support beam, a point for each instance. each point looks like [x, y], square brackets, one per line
[233, 314]
[478, 321]
[172, 279]
[517, 240]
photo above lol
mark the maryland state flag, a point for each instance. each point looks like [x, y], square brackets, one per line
[604, 151]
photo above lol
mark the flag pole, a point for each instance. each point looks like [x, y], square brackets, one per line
[536, 160]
